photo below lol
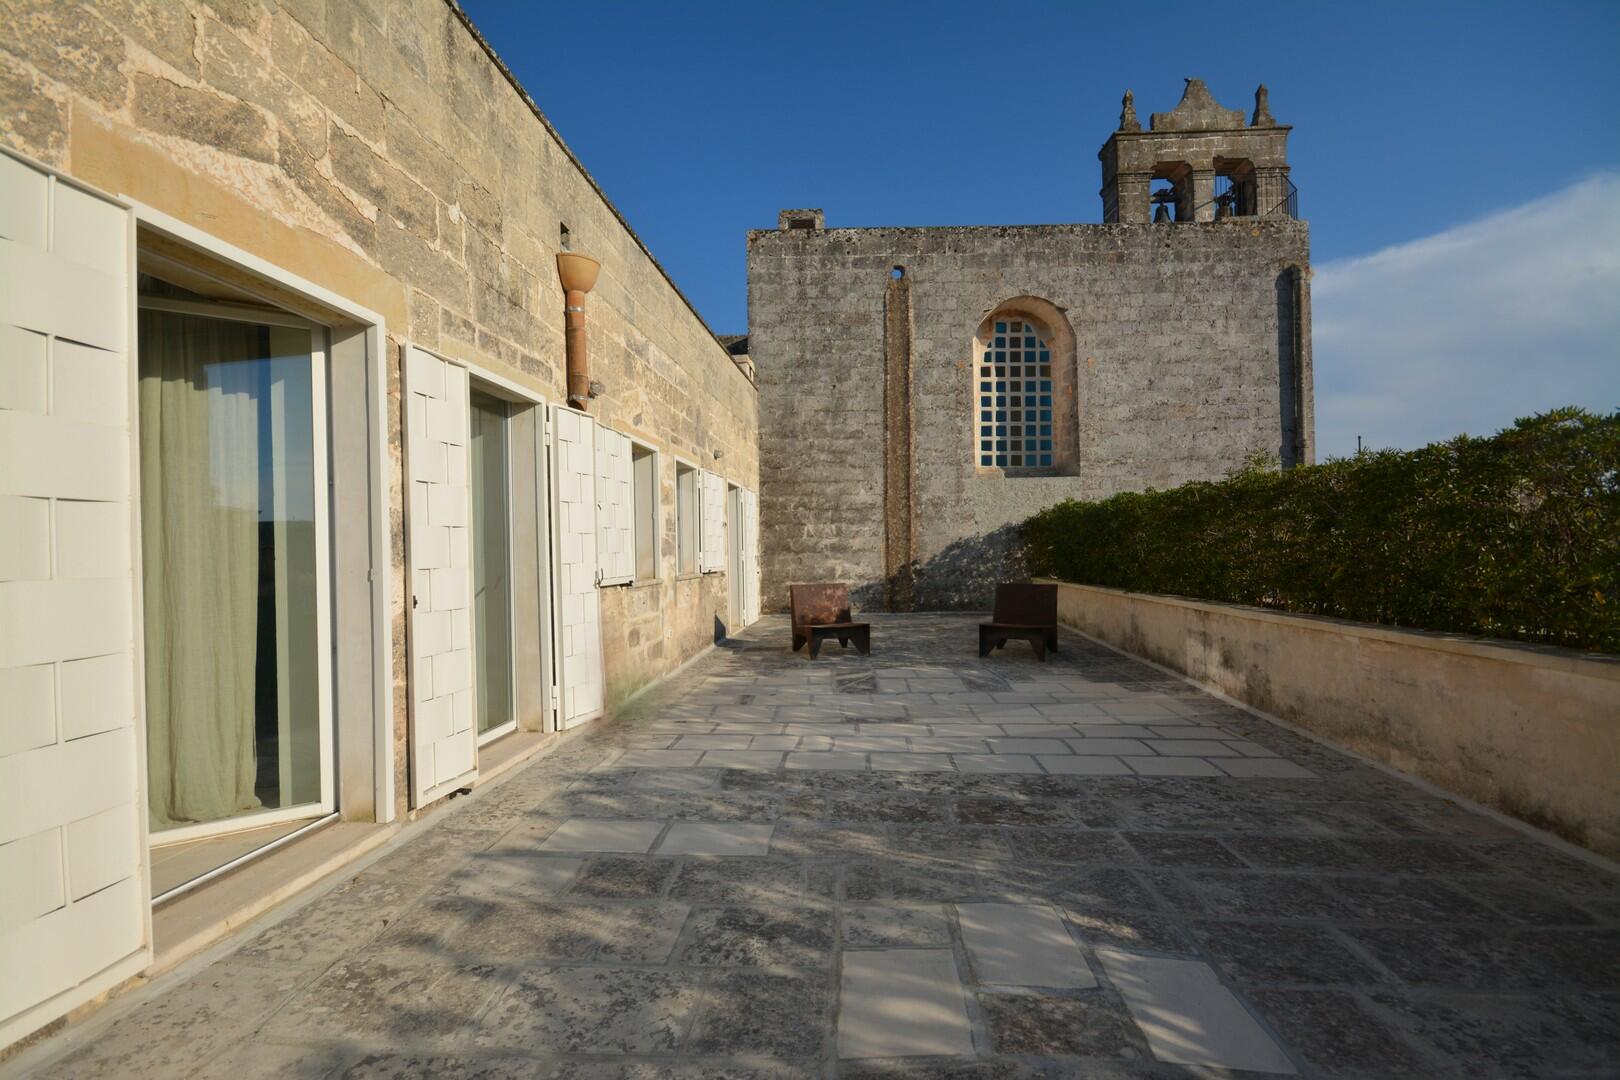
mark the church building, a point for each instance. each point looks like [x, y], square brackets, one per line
[925, 390]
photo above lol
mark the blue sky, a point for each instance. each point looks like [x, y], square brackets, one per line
[1442, 137]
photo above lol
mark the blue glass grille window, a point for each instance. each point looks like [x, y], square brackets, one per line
[1022, 429]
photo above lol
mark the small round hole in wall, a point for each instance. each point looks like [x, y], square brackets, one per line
[898, 272]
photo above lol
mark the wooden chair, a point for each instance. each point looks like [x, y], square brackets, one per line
[821, 612]
[1027, 612]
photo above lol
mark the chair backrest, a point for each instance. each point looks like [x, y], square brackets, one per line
[819, 604]
[1027, 605]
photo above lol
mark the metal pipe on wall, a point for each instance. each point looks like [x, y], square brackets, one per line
[578, 274]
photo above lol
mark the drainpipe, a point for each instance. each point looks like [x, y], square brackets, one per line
[578, 274]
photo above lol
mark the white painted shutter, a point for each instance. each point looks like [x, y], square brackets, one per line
[578, 638]
[615, 494]
[444, 736]
[750, 551]
[73, 895]
[712, 524]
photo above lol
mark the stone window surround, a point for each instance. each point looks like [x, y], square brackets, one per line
[688, 511]
[360, 564]
[1057, 336]
[654, 520]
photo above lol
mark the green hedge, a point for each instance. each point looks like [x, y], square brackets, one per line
[1515, 536]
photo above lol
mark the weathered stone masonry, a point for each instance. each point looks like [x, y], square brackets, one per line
[378, 149]
[1191, 354]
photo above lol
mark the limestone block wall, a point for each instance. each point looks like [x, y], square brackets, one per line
[378, 149]
[1184, 337]
[1531, 731]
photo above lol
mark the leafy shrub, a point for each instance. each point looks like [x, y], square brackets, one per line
[1513, 536]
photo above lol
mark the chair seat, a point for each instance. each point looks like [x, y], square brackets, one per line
[834, 626]
[1017, 626]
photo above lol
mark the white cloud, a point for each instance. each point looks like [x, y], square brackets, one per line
[1470, 328]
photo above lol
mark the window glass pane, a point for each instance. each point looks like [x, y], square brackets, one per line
[1018, 375]
[644, 473]
[491, 562]
[229, 498]
[686, 519]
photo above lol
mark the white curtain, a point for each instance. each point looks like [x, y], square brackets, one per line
[199, 462]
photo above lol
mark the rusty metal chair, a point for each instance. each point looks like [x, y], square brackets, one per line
[822, 611]
[1026, 612]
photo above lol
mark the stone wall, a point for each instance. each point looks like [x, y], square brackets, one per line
[377, 149]
[1531, 731]
[1181, 335]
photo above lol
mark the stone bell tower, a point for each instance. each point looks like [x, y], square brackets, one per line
[1210, 164]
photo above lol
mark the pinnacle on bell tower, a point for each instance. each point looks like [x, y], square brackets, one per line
[1198, 162]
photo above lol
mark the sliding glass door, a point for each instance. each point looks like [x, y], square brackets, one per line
[233, 476]
[492, 564]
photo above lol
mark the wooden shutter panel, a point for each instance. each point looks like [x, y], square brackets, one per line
[444, 735]
[73, 909]
[615, 495]
[750, 551]
[712, 537]
[578, 637]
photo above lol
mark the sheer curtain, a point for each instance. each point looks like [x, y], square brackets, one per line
[199, 462]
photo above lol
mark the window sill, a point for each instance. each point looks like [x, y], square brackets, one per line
[1022, 474]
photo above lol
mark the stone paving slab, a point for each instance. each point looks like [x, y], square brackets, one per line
[694, 838]
[623, 908]
[1189, 1018]
[902, 1003]
[583, 834]
[1022, 945]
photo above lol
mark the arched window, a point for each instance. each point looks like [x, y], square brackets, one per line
[1015, 397]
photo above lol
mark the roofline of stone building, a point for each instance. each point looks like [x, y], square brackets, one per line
[512, 80]
[1250, 221]
[1245, 129]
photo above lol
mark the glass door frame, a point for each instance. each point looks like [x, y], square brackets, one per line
[479, 385]
[320, 423]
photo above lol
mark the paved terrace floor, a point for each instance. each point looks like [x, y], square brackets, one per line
[919, 864]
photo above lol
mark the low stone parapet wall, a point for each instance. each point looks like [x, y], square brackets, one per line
[1531, 731]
